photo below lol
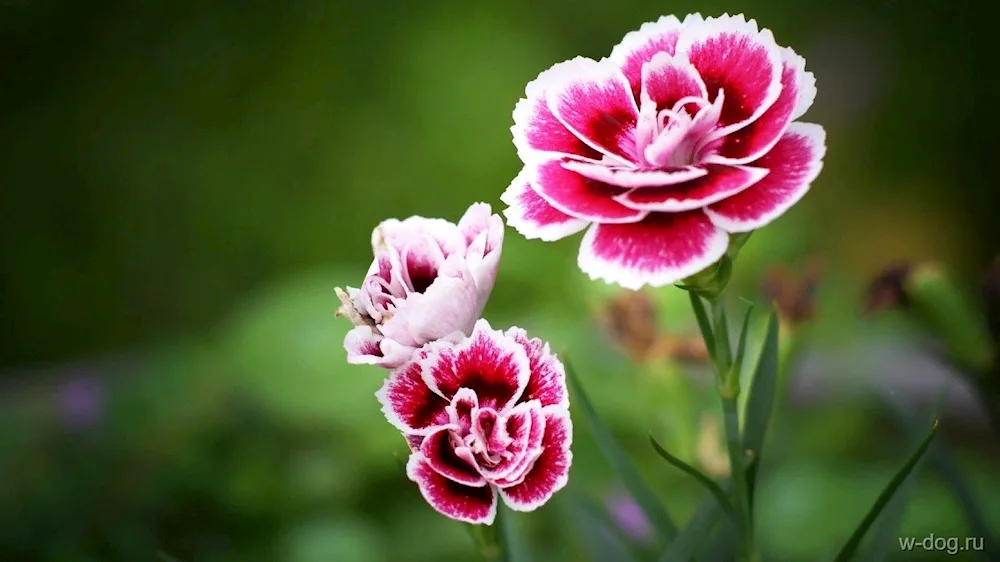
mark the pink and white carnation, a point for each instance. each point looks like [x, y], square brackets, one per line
[683, 136]
[486, 416]
[430, 278]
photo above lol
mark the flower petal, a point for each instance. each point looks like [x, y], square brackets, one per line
[487, 362]
[798, 88]
[532, 216]
[578, 196]
[450, 304]
[794, 163]
[594, 100]
[719, 183]
[454, 463]
[365, 347]
[532, 428]
[476, 505]
[731, 54]
[627, 177]
[550, 472]
[396, 233]
[640, 46]
[483, 258]
[408, 404]
[475, 221]
[660, 250]
[537, 133]
[667, 79]
[548, 376]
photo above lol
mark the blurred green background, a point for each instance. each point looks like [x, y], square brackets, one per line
[183, 183]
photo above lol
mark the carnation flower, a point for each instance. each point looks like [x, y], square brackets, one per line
[683, 136]
[486, 416]
[430, 278]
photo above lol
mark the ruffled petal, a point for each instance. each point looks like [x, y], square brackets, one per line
[594, 100]
[640, 46]
[409, 405]
[550, 472]
[487, 362]
[455, 463]
[578, 196]
[719, 183]
[794, 162]
[628, 177]
[532, 216]
[798, 88]
[733, 55]
[477, 505]
[660, 250]
[548, 376]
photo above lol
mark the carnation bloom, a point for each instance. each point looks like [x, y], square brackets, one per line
[682, 136]
[430, 278]
[485, 415]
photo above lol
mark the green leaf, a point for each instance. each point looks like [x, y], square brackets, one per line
[164, 557]
[723, 352]
[886, 532]
[887, 494]
[943, 464]
[760, 402]
[616, 456]
[704, 324]
[741, 346]
[705, 481]
[697, 530]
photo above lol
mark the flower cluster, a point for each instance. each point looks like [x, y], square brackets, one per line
[684, 135]
[485, 412]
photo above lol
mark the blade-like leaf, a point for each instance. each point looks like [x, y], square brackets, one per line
[942, 463]
[705, 481]
[741, 346]
[704, 324]
[620, 462]
[886, 531]
[723, 351]
[887, 494]
[164, 557]
[697, 530]
[760, 402]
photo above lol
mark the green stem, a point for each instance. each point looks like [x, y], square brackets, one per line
[729, 390]
[488, 540]
[734, 445]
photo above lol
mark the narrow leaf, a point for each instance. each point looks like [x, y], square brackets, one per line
[723, 351]
[942, 463]
[705, 481]
[741, 346]
[848, 550]
[164, 557]
[704, 324]
[886, 531]
[760, 402]
[620, 462]
[697, 530]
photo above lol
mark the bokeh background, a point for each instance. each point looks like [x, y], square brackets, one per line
[183, 183]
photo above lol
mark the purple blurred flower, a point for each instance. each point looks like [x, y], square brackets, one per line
[629, 516]
[80, 401]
